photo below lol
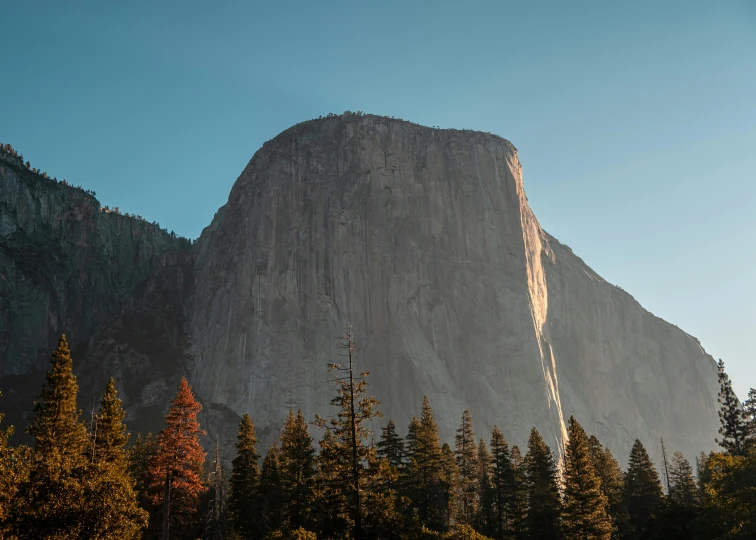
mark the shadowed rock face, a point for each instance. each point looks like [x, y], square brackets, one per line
[424, 242]
[421, 239]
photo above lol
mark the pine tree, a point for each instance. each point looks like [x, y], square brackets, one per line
[518, 498]
[484, 522]
[466, 453]
[731, 417]
[245, 483]
[58, 433]
[612, 484]
[447, 489]
[297, 471]
[424, 471]
[271, 496]
[643, 490]
[111, 503]
[176, 470]
[391, 446]
[58, 462]
[502, 478]
[109, 436]
[544, 502]
[351, 431]
[682, 486]
[585, 506]
[217, 527]
[749, 411]
[140, 456]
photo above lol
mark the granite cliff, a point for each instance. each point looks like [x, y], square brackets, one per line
[421, 239]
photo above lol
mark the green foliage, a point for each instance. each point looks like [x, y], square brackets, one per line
[271, 496]
[391, 446]
[730, 488]
[643, 490]
[612, 485]
[731, 416]
[544, 502]
[297, 471]
[585, 506]
[245, 483]
[682, 485]
[466, 453]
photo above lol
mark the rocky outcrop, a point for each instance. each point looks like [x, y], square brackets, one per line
[423, 241]
[68, 266]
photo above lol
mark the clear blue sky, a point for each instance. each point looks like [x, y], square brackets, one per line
[635, 121]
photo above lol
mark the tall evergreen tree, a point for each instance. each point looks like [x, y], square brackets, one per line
[466, 453]
[109, 435]
[502, 478]
[391, 446]
[682, 485]
[217, 527]
[447, 489]
[612, 485]
[731, 417]
[643, 490]
[424, 471]
[243, 503]
[296, 470]
[140, 456]
[111, 500]
[749, 411]
[58, 463]
[544, 503]
[176, 470]
[485, 522]
[271, 495]
[351, 430]
[585, 506]
[518, 498]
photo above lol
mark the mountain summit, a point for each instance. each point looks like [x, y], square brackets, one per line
[422, 239]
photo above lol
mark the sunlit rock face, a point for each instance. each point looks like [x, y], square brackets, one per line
[423, 241]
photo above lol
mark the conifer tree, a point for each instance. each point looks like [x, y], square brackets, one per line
[448, 488]
[111, 502]
[424, 471]
[518, 499]
[109, 436]
[485, 514]
[391, 446]
[682, 486]
[351, 432]
[643, 490]
[584, 512]
[749, 411]
[271, 496]
[243, 504]
[58, 462]
[217, 527]
[731, 417]
[466, 453]
[176, 469]
[612, 485]
[296, 470]
[140, 457]
[544, 502]
[58, 433]
[502, 478]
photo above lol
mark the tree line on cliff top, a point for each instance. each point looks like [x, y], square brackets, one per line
[91, 481]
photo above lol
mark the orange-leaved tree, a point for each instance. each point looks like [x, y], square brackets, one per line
[175, 474]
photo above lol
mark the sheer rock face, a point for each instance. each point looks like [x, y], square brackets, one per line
[424, 242]
[115, 285]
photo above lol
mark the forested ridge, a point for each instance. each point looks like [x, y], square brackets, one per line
[92, 479]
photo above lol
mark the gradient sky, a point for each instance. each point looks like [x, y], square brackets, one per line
[635, 121]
